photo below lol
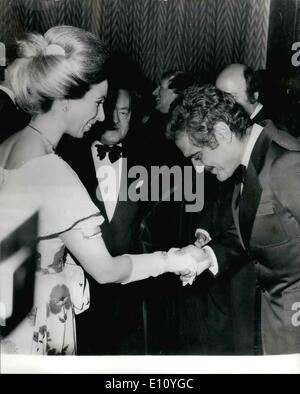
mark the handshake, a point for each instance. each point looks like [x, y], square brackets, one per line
[196, 260]
[188, 262]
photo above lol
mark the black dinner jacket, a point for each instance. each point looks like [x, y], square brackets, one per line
[267, 222]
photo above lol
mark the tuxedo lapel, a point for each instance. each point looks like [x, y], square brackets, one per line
[252, 188]
[98, 200]
[123, 198]
[235, 210]
[249, 202]
[260, 116]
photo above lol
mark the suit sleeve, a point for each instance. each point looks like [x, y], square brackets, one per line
[229, 253]
[228, 250]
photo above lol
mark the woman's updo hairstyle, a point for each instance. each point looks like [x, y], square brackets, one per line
[62, 64]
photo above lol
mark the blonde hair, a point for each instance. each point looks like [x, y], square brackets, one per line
[76, 60]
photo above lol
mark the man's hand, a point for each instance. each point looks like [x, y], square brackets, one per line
[202, 263]
[197, 253]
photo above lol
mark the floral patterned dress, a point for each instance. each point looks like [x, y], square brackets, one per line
[61, 290]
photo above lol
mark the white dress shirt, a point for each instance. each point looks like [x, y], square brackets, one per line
[109, 179]
[255, 133]
[256, 111]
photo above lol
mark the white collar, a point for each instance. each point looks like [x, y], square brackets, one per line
[256, 111]
[254, 134]
[9, 92]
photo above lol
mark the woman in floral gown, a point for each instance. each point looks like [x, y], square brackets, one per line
[60, 79]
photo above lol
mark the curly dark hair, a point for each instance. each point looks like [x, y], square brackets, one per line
[198, 111]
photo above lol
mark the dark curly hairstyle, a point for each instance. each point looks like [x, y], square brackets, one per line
[198, 111]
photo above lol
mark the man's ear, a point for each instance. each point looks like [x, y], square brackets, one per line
[256, 95]
[223, 132]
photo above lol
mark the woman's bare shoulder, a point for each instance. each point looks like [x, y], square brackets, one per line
[22, 150]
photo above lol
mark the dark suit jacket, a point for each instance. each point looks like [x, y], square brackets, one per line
[115, 317]
[241, 278]
[12, 119]
[268, 224]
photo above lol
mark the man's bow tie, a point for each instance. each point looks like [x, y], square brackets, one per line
[240, 174]
[114, 152]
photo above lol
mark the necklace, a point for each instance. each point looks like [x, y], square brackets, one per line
[49, 143]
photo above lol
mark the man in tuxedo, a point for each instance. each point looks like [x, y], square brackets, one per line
[114, 322]
[12, 117]
[210, 127]
[194, 319]
[242, 82]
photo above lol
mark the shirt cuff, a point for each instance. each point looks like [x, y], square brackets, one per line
[214, 268]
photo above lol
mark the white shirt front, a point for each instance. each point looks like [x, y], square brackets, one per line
[255, 133]
[256, 111]
[109, 179]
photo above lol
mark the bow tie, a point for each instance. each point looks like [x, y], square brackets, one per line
[240, 174]
[114, 152]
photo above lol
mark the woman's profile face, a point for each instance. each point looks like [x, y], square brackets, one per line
[84, 112]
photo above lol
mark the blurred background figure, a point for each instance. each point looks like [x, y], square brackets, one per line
[172, 84]
[242, 82]
[12, 117]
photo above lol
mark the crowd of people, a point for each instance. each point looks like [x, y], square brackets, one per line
[105, 282]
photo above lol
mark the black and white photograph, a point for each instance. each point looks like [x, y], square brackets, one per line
[149, 188]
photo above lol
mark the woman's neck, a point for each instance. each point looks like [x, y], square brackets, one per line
[49, 127]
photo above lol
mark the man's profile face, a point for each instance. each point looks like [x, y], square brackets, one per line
[221, 161]
[121, 119]
[164, 96]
